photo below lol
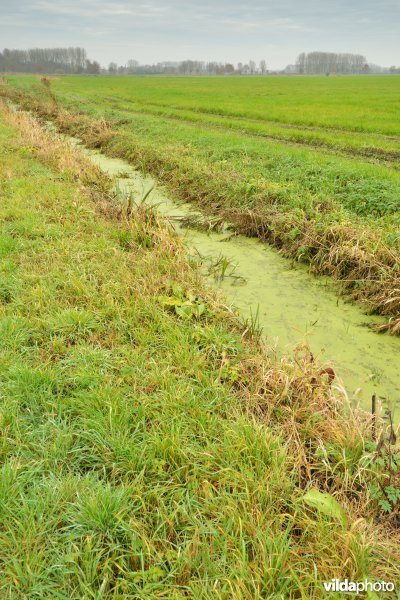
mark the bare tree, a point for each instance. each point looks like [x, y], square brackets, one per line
[329, 62]
[132, 66]
[263, 66]
[44, 60]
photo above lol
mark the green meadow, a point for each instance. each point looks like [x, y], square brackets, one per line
[368, 105]
[281, 131]
[311, 164]
[151, 445]
[142, 452]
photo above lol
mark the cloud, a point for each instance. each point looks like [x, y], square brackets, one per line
[223, 30]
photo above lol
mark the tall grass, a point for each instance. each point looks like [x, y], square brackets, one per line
[148, 452]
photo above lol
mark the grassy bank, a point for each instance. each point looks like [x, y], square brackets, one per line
[150, 446]
[324, 195]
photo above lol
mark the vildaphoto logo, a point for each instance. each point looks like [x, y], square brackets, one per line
[337, 585]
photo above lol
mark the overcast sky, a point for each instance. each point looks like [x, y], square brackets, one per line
[223, 30]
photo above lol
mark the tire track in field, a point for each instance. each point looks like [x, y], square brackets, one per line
[370, 155]
[266, 121]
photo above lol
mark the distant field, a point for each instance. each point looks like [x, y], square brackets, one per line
[314, 110]
[363, 104]
[316, 160]
[284, 131]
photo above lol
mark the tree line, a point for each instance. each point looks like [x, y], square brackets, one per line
[47, 60]
[316, 63]
[189, 67]
[75, 61]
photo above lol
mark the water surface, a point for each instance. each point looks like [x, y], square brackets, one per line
[291, 304]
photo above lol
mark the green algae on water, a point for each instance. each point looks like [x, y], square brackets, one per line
[293, 306]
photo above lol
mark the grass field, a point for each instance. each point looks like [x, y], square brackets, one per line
[310, 164]
[149, 447]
